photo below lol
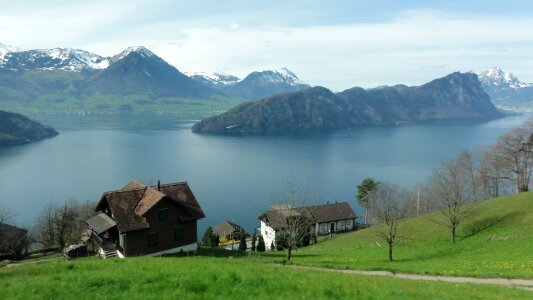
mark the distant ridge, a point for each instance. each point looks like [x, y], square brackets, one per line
[256, 85]
[458, 96]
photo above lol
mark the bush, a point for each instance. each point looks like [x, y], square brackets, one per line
[260, 244]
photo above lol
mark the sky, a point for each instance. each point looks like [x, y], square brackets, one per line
[335, 44]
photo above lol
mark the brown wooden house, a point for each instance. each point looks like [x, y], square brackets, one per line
[142, 220]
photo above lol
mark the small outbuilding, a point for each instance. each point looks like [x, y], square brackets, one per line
[227, 230]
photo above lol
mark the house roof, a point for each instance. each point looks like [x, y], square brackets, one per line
[101, 222]
[129, 204]
[277, 218]
[226, 228]
[332, 212]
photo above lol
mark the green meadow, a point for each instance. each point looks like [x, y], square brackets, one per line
[496, 242]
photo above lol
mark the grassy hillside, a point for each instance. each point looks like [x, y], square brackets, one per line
[216, 278]
[496, 242]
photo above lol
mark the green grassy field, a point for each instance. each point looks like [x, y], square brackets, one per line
[217, 278]
[496, 242]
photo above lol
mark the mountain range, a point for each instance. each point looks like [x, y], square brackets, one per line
[458, 96]
[134, 80]
[506, 91]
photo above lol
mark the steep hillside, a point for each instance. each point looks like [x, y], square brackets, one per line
[458, 96]
[17, 129]
[310, 109]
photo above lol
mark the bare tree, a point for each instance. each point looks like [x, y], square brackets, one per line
[297, 219]
[514, 153]
[491, 171]
[388, 208]
[45, 226]
[5, 214]
[451, 187]
[59, 225]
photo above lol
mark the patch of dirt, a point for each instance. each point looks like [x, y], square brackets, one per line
[526, 284]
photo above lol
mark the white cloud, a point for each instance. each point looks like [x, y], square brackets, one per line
[399, 51]
[405, 49]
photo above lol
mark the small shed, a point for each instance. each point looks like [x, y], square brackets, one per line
[228, 230]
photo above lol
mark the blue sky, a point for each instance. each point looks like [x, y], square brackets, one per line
[336, 44]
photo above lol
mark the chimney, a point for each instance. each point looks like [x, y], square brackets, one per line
[158, 185]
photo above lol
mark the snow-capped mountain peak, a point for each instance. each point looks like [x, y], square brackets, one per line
[66, 59]
[216, 78]
[497, 78]
[141, 50]
[5, 49]
[282, 75]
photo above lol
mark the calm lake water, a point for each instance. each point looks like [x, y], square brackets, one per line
[234, 178]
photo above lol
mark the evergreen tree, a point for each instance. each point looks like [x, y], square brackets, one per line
[260, 244]
[242, 243]
[254, 240]
[215, 240]
[367, 187]
[209, 238]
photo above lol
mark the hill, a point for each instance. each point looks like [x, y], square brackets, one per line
[458, 96]
[495, 242]
[17, 129]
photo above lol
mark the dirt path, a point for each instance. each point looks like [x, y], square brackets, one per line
[526, 284]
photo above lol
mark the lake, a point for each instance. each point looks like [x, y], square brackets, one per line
[233, 177]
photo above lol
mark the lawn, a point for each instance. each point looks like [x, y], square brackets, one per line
[496, 242]
[217, 277]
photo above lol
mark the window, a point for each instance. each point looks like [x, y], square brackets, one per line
[152, 239]
[163, 214]
[178, 233]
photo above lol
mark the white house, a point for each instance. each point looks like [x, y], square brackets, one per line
[326, 218]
